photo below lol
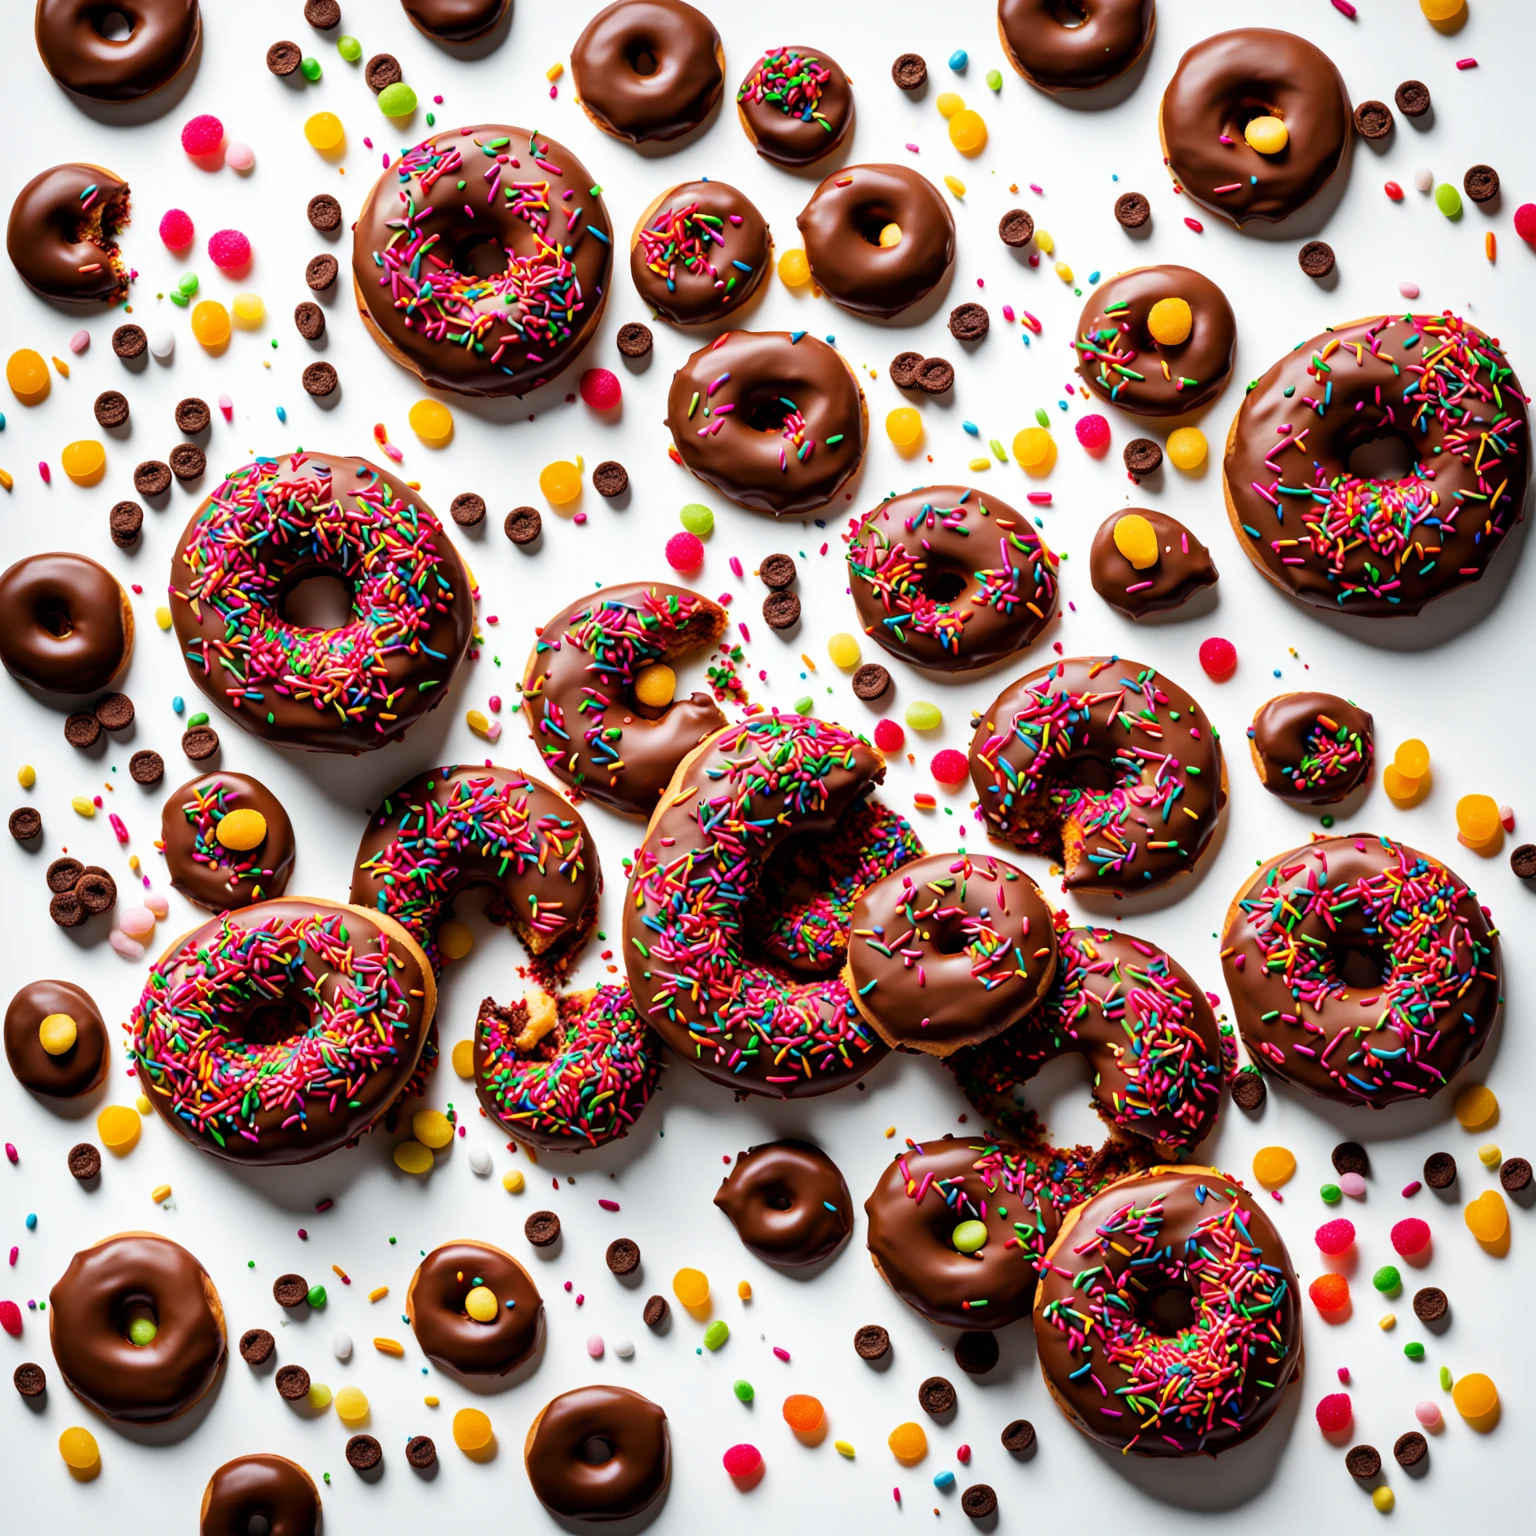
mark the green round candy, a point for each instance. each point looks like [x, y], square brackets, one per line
[178, 298]
[188, 282]
[397, 100]
[716, 1334]
[142, 1331]
[1414, 1351]
[697, 518]
[1387, 1279]
[310, 68]
[349, 48]
[1448, 200]
[1331, 1194]
[743, 1391]
[922, 716]
[804, 705]
[316, 1297]
[994, 79]
[969, 1236]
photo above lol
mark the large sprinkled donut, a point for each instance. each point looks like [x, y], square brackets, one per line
[277, 1033]
[1369, 545]
[474, 1309]
[776, 421]
[1168, 1319]
[60, 234]
[221, 863]
[573, 1480]
[162, 37]
[744, 1021]
[271, 1488]
[796, 105]
[419, 245]
[1076, 45]
[279, 521]
[950, 580]
[66, 626]
[1104, 764]
[1361, 970]
[580, 699]
[699, 252]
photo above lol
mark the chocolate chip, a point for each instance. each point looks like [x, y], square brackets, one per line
[421, 1452]
[188, 462]
[129, 341]
[1016, 228]
[1132, 210]
[1019, 1437]
[781, 610]
[193, 415]
[111, 408]
[82, 729]
[542, 1228]
[146, 767]
[63, 873]
[30, 1379]
[969, 322]
[523, 525]
[777, 571]
[1515, 1175]
[200, 743]
[324, 213]
[903, 369]
[610, 478]
[1143, 456]
[1412, 98]
[1430, 1304]
[284, 57]
[1410, 1449]
[364, 1453]
[1439, 1170]
[1350, 1157]
[623, 1256]
[152, 478]
[126, 523]
[256, 1346]
[467, 509]
[319, 380]
[320, 272]
[1362, 1461]
[1373, 119]
[323, 14]
[1481, 183]
[292, 1382]
[976, 1353]
[96, 891]
[25, 824]
[309, 318]
[84, 1161]
[66, 911]
[1523, 861]
[936, 1396]
[979, 1501]
[382, 70]
[115, 711]
[290, 1290]
[656, 1310]
[871, 682]
[1316, 258]
[910, 71]
[935, 376]
[635, 339]
[1249, 1091]
[871, 1342]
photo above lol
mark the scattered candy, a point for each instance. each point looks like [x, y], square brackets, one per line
[1476, 1106]
[560, 482]
[1525, 222]
[202, 135]
[1335, 1413]
[432, 422]
[1448, 200]
[1487, 1217]
[1429, 1415]
[1383, 1498]
[28, 376]
[1336, 1237]
[1477, 821]
[685, 551]
[803, 1413]
[240, 157]
[744, 1391]
[1329, 1293]
[1410, 1236]
[229, 250]
[742, 1460]
[432, 1128]
[341, 1345]
[79, 1449]
[85, 461]
[472, 1429]
[697, 519]
[1034, 449]
[397, 100]
[843, 649]
[1093, 433]
[412, 1157]
[904, 426]
[968, 132]
[210, 323]
[923, 716]
[1218, 658]
[601, 389]
[624, 1348]
[716, 1334]
[691, 1287]
[1388, 1279]
[479, 1160]
[118, 1128]
[794, 269]
[908, 1442]
[1187, 448]
[1475, 1397]
[889, 736]
[950, 767]
[512, 1181]
[351, 1405]
[324, 132]
[162, 343]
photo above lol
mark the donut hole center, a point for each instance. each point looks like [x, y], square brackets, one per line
[273, 1023]
[779, 1200]
[54, 617]
[769, 415]
[112, 26]
[873, 222]
[1085, 773]
[596, 1450]
[1168, 1310]
[316, 599]
[1382, 456]
[1359, 965]
[642, 59]
[942, 586]
[1070, 14]
[480, 256]
[136, 1308]
[258, 1525]
[949, 937]
[1250, 108]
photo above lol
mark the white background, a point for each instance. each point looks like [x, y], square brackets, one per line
[1459, 680]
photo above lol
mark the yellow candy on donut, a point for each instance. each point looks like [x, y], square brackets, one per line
[481, 1304]
[1267, 135]
[57, 1033]
[655, 685]
[1170, 321]
[242, 830]
[1136, 539]
[890, 236]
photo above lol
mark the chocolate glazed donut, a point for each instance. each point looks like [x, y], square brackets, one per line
[699, 252]
[1109, 37]
[796, 105]
[270, 1488]
[162, 37]
[842, 225]
[788, 1203]
[599, 1454]
[456, 21]
[449, 1336]
[1182, 565]
[73, 1072]
[136, 1274]
[1220, 86]
[205, 869]
[1311, 748]
[60, 234]
[776, 422]
[65, 623]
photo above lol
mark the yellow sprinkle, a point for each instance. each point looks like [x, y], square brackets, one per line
[7, 479]
[478, 723]
[26, 775]
[890, 1131]
[1063, 271]
[389, 1347]
[955, 185]
[62, 366]
[1387, 1322]
[85, 807]
[843, 1448]
[810, 665]
[1044, 242]
[133, 861]
[512, 1181]
[163, 616]
[160, 1193]
[979, 464]
[142, 1104]
[554, 71]
[378, 1293]
[431, 1400]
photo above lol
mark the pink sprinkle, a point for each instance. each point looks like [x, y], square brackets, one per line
[913, 148]
[11, 1153]
[595, 1346]
[1411, 1189]
[746, 634]
[303, 1235]
[437, 101]
[15, 1254]
[609, 1205]
[735, 566]
[963, 1454]
[1008, 313]
[1196, 225]
[1345, 7]
[782, 1354]
[896, 1494]
[579, 517]
[79, 341]
[1038, 191]
[118, 829]
[1040, 498]
[1408, 290]
[1466, 63]
[45, 472]
[228, 407]
[1344, 1374]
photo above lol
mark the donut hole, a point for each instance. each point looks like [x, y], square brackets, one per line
[641, 56]
[258, 1525]
[779, 1199]
[479, 255]
[273, 1023]
[1168, 1310]
[316, 598]
[1082, 772]
[111, 25]
[769, 414]
[134, 1308]
[1359, 965]
[54, 617]
[873, 221]
[1070, 14]
[1249, 108]
[596, 1450]
[1382, 456]
[941, 585]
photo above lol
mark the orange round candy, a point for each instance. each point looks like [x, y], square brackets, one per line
[903, 426]
[78, 1447]
[560, 482]
[803, 1413]
[968, 131]
[472, 1429]
[1329, 1293]
[1401, 790]
[85, 461]
[1475, 1396]
[1476, 1106]
[691, 1287]
[794, 268]
[908, 1443]
[1477, 819]
[1273, 1166]
[27, 374]
[210, 323]
[1411, 759]
[1487, 1217]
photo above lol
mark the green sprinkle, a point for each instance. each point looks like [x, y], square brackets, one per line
[200, 718]
[994, 79]
[1041, 417]
[188, 283]
[1445, 1378]
[1331, 1194]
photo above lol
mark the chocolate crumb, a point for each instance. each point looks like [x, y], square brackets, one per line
[903, 369]
[871, 682]
[910, 71]
[935, 376]
[292, 1382]
[1440, 1170]
[257, 1346]
[25, 824]
[1515, 1175]
[1019, 1437]
[319, 380]
[1481, 183]
[1373, 119]
[777, 572]
[1143, 456]
[781, 610]
[635, 339]
[1430, 1304]
[324, 213]
[467, 509]
[623, 1256]
[420, 1452]
[656, 1310]
[969, 322]
[1316, 258]
[1412, 98]
[84, 1161]
[126, 523]
[283, 58]
[188, 462]
[152, 478]
[146, 767]
[1410, 1449]
[309, 320]
[610, 478]
[200, 743]
[30, 1379]
[1363, 1462]
[523, 525]
[82, 729]
[320, 272]
[976, 1353]
[1016, 228]
[1132, 210]
[364, 1453]
[979, 1501]
[290, 1290]
[129, 341]
[115, 711]
[63, 873]
[936, 1397]
[1350, 1157]
[382, 70]
[193, 415]
[871, 1342]
[111, 408]
[542, 1228]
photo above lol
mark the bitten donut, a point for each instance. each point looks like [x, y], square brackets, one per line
[950, 580]
[60, 234]
[788, 1203]
[1077, 45]
[588, 691]
[777, 422]
[466, 199]
[1311, 748]
[1143, 561]
[279, 1032]
[795, 105]
[699, 252]
[599, 1454]
[565, 1072]
[1141, 1023]
[65, 624]
[162, 37]
[734, 800]
[879, 238]
[137, 1328]
[55, 1040]
[277, 522]
[450, 829]
[1361, 970]
[949, 951]
[270, 1488]
[1254, 123]
[1157, 341]
[474, 1309]
[1388, 544]
[1105, 764]
[1168, 1318]
[227, 841]
[649, 70]
[456, 21]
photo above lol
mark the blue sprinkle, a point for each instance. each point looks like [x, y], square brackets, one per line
[943, 1479]
[831, 339]
[177, 704]
[1113, 176]
[31, 1221]
[1093, 277]
[958, 60]
[972, 428]
[2, 421]
[282, 415]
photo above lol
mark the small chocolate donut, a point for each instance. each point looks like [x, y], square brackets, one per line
[106, 1289]
[455, 21]
[1140, 570]
[270, 1488]
[788, 1203]
[60, 234]
[452, 1286]
[599, 1454]
[1311, 748]
[1074, 45]
[796, 105]
[162, 37]
[65, 623]
[699, 252]
[221, 866]
[879, 238]
[777, 422]
[649, 70]
[73, 1071]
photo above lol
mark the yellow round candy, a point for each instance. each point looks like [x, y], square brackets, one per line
[85, 461]
[118, 1126]
[1476, 1106]
[351, 1405]
[83, 807]
[163, 616]
[455, 941]
[691, 1287]
[482, 1305]
[432, 422]
[1401, 790]
[512, 1181]
[249, 310]
[1475, 1397]
[79, 1449]
[471, 1429]
[1268, 135]
[27, 374]
[242, 830]
[1045, 242]
[432, 1128]
[844, 651]
[1442, 10]
[1489, 1154]
[655, 685]
[412, 1157]
[463, 1053]
[1383, 1498]
[955, 185]
[1035, 450]
[210, 323]
[1477, 818]
[794, 269]
[1273, 1166]
[57, 1033]
[949, 104]
[26, 775]
[1487, 1217]
[1170, 321]
[1136, 539]
[904, 426]
[324, 131]
[1412, 759]
[908, 1442]
[890, 236]
[1187, 447]
[320, 1396]
[744, 1289]
[142, 1104]
[968, 132]
[560, 482]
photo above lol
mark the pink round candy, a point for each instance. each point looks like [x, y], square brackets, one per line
[1408, 290]
[1093, 433]
[158, 904]
[1335, 1413]
[136, 922]
[685, 552]
[1218, 658]
[79, 341]
[950, 766]
[228, 250]
[240, 157]
[742, 1460]
[1429, 1415]
[889, 735]
[1353, 1185]
[595, 1346]
[176, 229]
[129, 949]
[601, 389]
[1335, 1236]
[1410, 1236]
[202, 135]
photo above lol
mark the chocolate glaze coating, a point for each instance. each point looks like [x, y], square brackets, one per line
[1197, 367]
[778, 1197]
[1112, 35]
[55, 237]
[82, 1067]
[559, 293]
[1311, 748]
[949, 951]
[796, 105]
[752, 452]
[91, 1306]
[950, 579]
[65, 624]
[163, 36]
[448, 1335]
[686, 76]
[696, 286]
[629, 1481]
[278, 1490]
[841, 229]
[200, 866]
[1224, 82]
[1184, 566]
[456, 21]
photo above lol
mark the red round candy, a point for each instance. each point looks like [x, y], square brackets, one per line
[10, 1318]
[888, 735]
[176, 229]
[601, 389]
[1219, 658]
[1410, 1236]
[202, 135]
[1093, 433]
[1335, 1413]
[1329, 1293]
[1394, 191]
[228, 250]
[948, 766]
[685, 552]
[742, 1460]
[1525, 222]
[1335, 1236]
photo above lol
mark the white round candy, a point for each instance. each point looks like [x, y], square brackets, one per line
[341, 1346]
[479, 1161]
[623, 1348]
[162, 343]
[1423, 178]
